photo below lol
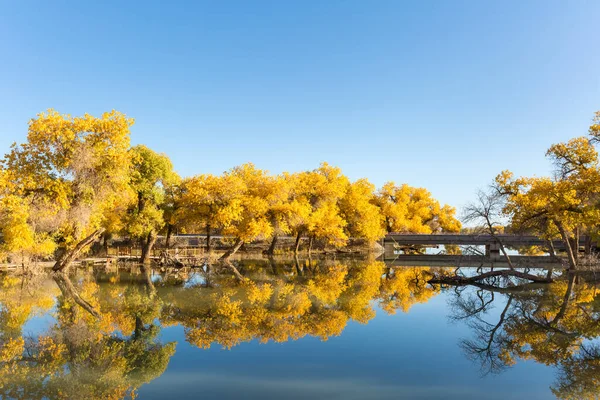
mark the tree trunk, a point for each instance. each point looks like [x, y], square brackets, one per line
[310, 245]
[388, 225]
[271, 250]
[577, 231]
[273, 265]
[147, 248]
[567, 242]
[208, 237]
[168, 237]
[231, 251]
[575, 245]
[297, 247]
[105, 244]
[64, 262]
[588, 244]
[551, 248]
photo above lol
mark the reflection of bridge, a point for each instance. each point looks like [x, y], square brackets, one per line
[432, 260]
[395, 243]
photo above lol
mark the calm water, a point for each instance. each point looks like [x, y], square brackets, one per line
[320, 330]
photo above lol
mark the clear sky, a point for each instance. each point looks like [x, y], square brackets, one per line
[439, 94]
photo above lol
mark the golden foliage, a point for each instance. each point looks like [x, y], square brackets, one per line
[409, 209]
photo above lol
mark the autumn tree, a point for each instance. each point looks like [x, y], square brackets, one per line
[151, 174]
[260, 192]
[564, 205]
[320, 192]
[363, 217]
[69, 175]
[210, 202]
[170, 206]
[20, 240]
[287, 209]
[409, 209]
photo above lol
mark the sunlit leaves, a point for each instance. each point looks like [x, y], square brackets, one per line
[68, 177]
[363, 217]
[409, 209]
[565, 204]
[150, 175]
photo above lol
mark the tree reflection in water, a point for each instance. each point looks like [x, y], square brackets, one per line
[555, 324]
[90, 352]
[104, 340]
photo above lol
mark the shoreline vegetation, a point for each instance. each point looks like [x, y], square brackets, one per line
[77, 185]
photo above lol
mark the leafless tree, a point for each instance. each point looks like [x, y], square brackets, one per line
[486, 211]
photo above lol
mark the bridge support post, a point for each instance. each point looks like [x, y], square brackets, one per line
[492, 251]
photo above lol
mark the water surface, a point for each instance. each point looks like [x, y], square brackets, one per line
[296, 330]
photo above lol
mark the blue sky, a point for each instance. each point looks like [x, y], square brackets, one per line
[439, 94]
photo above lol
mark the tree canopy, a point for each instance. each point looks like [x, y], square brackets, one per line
[77, 178]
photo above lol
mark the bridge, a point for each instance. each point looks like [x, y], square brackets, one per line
[395, 243]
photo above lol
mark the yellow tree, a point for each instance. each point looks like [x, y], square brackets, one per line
[172, 203]
[286, 210]
[566, 204]
[210, 202]
[151, 174]
[363, 217]
[260, 193]
[70, 174]
[320, 191]
[409, 209]
[19, 238]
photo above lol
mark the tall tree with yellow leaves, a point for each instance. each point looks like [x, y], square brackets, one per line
[19, 238]
[287, 210]
[363, 217]
[70, 174]
[151, 174]
[410, 209]
[564, 205]
[210, 202]
[261, 192]
[320, 191]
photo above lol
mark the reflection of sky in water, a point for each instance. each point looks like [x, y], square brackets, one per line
[412, 356]
[195, 279]
[39, 324]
